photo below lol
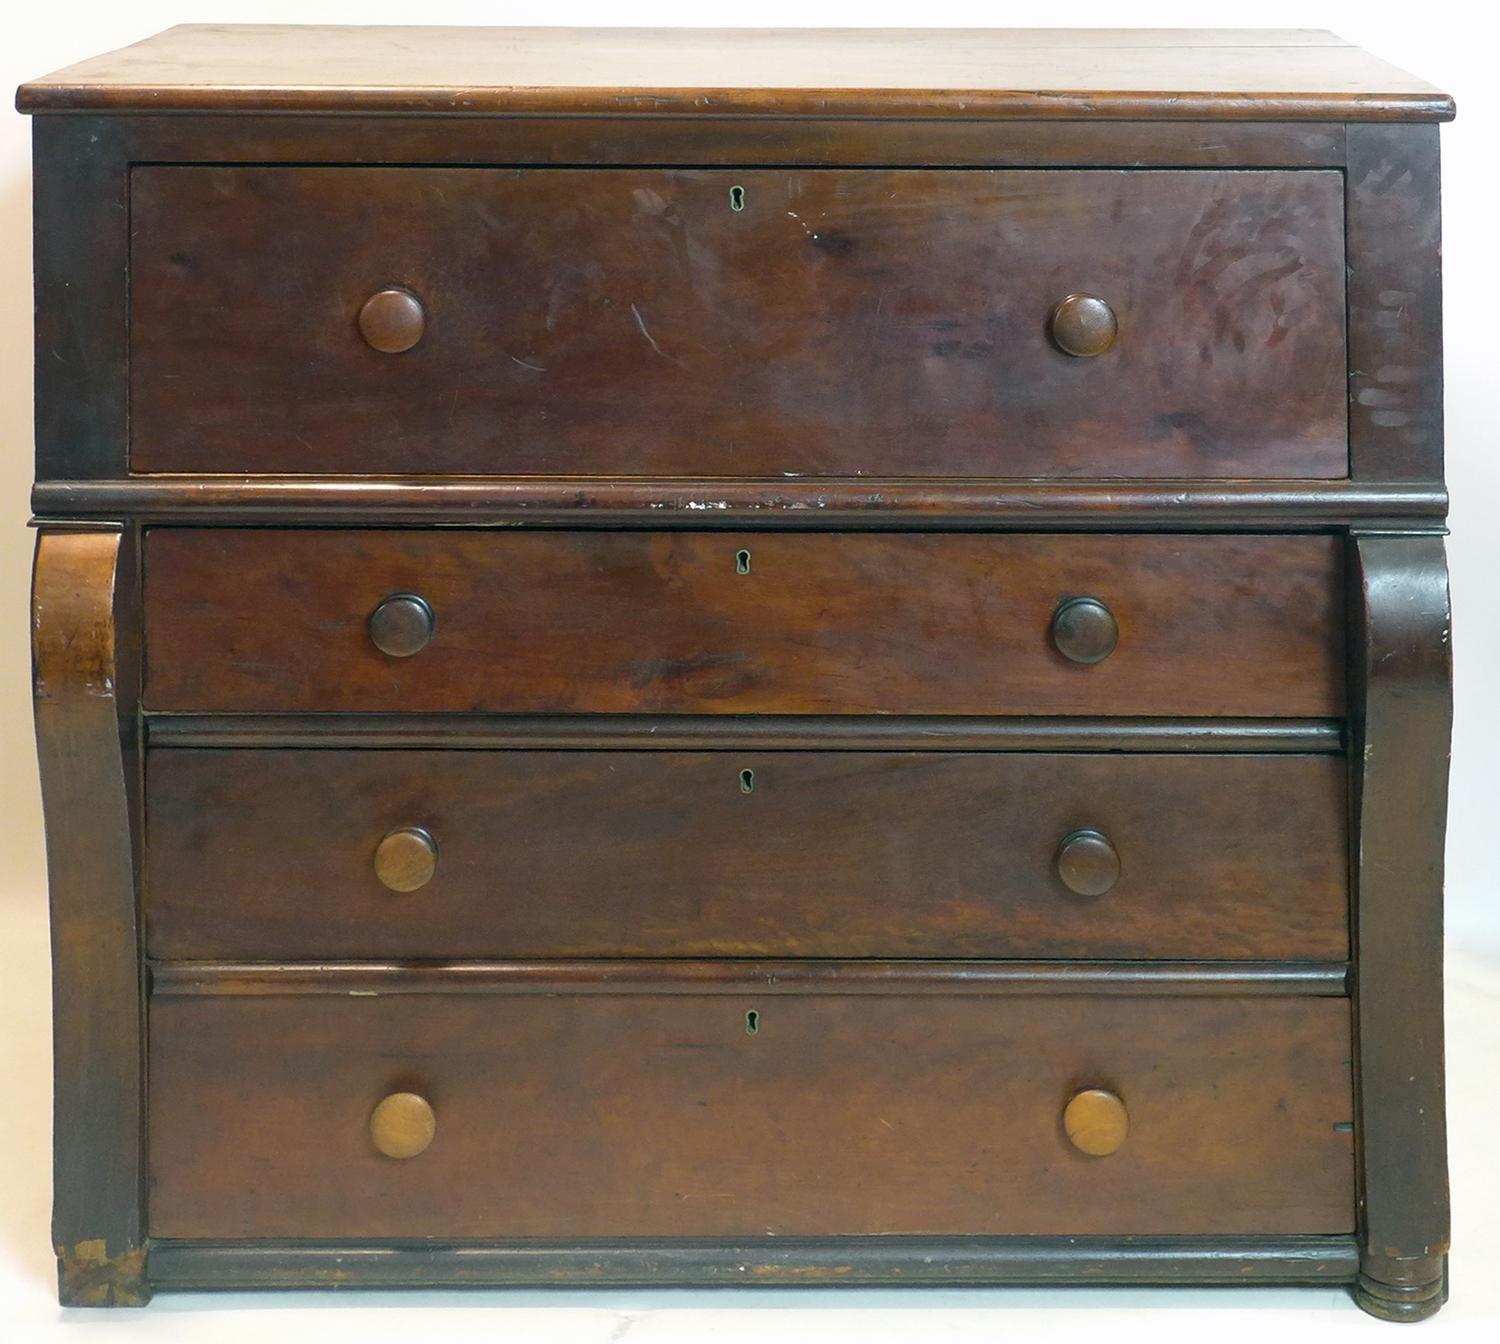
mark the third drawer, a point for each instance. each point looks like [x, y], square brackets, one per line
[267, 854]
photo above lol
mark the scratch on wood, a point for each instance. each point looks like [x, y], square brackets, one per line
[650, 339]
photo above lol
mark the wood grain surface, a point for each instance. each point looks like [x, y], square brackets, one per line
[1404, 719]
[1134, 73]
[84, 163]
[858, 623]
[710, 869]
[582, 1116]
[1395, 303]
[738, 322]
[85, 631]
[273, 854]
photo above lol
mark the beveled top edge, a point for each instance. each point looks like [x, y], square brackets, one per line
[980, 74]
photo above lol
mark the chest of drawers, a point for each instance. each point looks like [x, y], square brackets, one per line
[670, 657]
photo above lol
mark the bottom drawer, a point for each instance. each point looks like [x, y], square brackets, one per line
[631, 1111]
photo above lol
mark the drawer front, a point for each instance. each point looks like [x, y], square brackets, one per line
[657, 1115]
[838, 322]
[267, 855]
[848, 623]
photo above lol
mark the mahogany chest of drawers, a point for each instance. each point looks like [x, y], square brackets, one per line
[671, 657]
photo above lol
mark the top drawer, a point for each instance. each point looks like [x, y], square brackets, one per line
[729, 323]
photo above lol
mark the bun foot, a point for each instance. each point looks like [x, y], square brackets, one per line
[1402, 1301]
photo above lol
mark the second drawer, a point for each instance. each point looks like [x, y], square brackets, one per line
[328, 854]
[245, 620]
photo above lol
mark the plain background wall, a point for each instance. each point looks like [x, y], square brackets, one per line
[1451, 43]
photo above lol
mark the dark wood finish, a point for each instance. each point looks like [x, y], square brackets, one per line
[401, 625]
[888, 687]
[1207, 979]
[848, 624]
[711, 1131]
[80, 209]
[1084, 630]
[82, 163]
[728, 141]
[405, 859]
[1087, 863]
[1404, 707]
[1084, 325]
[1395, 304]
[82, 166]
[734, 732]
[266, 854]
[392, 321]
[820, 505]
[823, 73]
[970, 1261]
[884, 322]
[83, 649]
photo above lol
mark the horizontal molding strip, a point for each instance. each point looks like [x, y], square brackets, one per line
[813, 104]
[738, 732]
[768, 1262]
[658, 976]
[725, 140]
[809, 502]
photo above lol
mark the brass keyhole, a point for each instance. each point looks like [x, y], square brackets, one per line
[736, 198]
[747, 781]
[752, 1022]
[742, 562]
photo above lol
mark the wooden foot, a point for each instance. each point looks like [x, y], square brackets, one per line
[88, 1276]
[1413, 1299]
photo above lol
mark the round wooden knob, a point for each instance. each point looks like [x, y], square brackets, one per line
[1084, 630]
[403, 1125]
[1096, 1122]
[1083, 325]
[402, 625]
[406, 859]
[392, 321]
[1087, 863]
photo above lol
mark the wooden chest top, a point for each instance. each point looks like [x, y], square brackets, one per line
[1092, 73]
